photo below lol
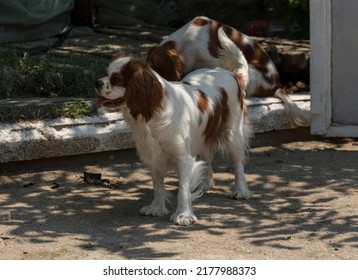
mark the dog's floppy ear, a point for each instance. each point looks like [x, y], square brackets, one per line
[166, 61]
[144, 93]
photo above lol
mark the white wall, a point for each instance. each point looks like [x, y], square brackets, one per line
[334, 75]
[345, 61]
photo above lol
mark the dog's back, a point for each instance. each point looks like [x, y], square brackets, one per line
[221, 111]
[199, 44]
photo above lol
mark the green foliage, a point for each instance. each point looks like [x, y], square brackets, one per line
[22, 75]
[77, 109]
[11, 115]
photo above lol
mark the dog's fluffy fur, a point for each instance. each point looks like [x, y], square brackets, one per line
[174, 124]
[204, 42]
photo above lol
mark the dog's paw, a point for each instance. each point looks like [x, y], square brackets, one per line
[156, 211]
[241, 194]
[183, 219]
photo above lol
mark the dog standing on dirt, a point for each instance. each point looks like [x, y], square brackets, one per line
[175, 123]
[204, 42]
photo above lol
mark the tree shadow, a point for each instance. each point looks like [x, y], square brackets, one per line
[299, 195]
[311, 194]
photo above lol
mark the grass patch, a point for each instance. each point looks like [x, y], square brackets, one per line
[76, 108]
[25, 76]
[50, 75]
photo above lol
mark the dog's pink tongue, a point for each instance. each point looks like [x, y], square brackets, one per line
[101, 101]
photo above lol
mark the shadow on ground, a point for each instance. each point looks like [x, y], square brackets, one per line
[304, 207]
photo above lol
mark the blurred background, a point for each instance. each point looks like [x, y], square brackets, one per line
[283, 18]
[22, 20]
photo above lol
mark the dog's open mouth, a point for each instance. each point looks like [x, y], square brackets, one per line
[109, 102]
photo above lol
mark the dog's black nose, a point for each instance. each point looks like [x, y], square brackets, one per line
[98, 83]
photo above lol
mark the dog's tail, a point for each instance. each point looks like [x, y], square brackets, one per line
[296, 115]
[197, 184]
[232, 58]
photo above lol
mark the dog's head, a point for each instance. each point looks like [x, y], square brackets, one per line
[112, 87]
[131, 83]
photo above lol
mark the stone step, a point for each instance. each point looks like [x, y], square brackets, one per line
[109, 131]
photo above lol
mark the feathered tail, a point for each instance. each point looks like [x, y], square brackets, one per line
[232, 58]
[296, 115]
[197, 184]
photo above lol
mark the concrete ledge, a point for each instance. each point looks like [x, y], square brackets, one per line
[63, 137]
[268, 114]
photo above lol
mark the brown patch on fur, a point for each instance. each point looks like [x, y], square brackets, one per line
[240, 92]
[233, 34]
[272, 79]
[214, 43]
[117, 80]
[200, 21]
[262, 92]
[261, 57]
[218, 119]
[203, 102]
[144, 93]
[253, 52]
[256, 57]
[166, 61]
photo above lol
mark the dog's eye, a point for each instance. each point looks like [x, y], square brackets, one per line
[115, 79]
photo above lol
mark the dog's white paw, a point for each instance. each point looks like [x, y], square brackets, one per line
[246, 194]
[154, 210]
[183, 219]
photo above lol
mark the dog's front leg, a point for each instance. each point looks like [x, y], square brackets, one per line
[157, 207]
[184, 214]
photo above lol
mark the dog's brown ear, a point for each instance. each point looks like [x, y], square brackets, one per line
[166, 61]
[144, 92]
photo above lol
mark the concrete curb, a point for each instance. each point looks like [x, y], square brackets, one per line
[64, 137]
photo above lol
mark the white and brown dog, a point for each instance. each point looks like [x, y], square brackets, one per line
[204, 42]
[175, 123]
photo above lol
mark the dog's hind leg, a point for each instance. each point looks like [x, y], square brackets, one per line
[190, 176]
[208, 180]
[237, 150]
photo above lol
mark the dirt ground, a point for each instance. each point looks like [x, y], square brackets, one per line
[304, 207]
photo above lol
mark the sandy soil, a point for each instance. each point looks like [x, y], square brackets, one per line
[304, 207]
